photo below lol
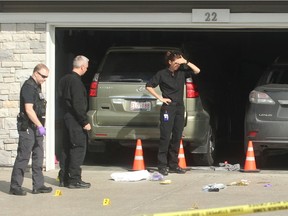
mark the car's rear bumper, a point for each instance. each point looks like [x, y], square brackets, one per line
[270, 135]
[195, 132]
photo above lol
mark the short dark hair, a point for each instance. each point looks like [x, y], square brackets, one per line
[172, 55]
[39, 67]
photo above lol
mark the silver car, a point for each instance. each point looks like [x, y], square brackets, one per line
[121, 110]
[266, 119]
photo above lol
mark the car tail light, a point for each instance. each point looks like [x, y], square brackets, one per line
[191, 89]
[93, 89]
[100, 135]
[257, 97]
[252, 134]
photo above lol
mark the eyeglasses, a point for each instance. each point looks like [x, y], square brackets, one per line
[43, 76]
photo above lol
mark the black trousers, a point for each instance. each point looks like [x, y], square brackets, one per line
[73, 150]
[29, 143]
[169, 146]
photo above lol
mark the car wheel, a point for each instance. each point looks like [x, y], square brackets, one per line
[206, 159]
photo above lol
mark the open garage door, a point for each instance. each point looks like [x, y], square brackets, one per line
[231, 62]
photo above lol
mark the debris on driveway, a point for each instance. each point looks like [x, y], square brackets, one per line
[226, 167]
[130, 176]
[156, 176]
[213, 187]
[242, 182]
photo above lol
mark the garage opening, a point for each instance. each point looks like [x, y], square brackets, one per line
[231, 61]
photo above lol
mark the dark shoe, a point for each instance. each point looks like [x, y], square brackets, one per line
[163, 171]
[18, 192]
[79, 184]
[178, 170]
[42, 189]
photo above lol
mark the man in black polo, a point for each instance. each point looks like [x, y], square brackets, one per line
[171, 81]
[74, 100]
[30, 125]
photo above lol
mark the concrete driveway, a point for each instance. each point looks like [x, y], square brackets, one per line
[108, 198]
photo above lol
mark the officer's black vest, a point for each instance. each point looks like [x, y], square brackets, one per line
[40, 103]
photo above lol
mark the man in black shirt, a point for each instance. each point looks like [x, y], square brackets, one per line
[30, 125]
[74, 100]
[171, 82]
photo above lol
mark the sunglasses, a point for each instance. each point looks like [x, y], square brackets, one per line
[43, 76]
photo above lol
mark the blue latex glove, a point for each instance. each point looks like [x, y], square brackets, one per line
[41, 131]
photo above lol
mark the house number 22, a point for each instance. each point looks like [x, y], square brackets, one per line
[211, 17]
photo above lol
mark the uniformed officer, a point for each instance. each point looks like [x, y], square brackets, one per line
[73, 96]
[30, 125]
[171, 82]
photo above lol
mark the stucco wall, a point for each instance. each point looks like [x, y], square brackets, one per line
[22, 46]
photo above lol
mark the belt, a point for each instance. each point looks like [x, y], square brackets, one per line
[173, 104]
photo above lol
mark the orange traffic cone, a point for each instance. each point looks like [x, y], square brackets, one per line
[138, 159]
[181, 156]
[250, 164]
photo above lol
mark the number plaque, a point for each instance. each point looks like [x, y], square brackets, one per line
[211, 15]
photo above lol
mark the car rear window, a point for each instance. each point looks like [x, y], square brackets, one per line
[132, 66]
[278, 77]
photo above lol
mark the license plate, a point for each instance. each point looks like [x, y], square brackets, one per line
[140, 106]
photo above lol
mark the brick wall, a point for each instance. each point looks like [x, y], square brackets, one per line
[22, 46]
